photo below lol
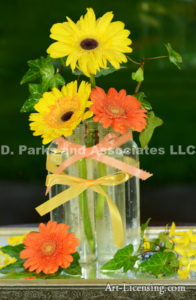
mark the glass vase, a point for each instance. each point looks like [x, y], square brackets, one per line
[126, 197]
[88, 215]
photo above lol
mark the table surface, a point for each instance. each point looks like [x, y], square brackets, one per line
[91, 288]
[87, 271]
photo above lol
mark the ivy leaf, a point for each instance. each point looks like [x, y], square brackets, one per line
[34, 69]
[36, 92]
[145, 104]
[174, 56]
[30, 75]
[41, 68]
[130, 264]
[159, 263]
[56, 80]
[74, 268]
[122, 259]
[49, 78]
[102, 72]
[13, 251]
[138, 75]
[144, 226]
[112, 264]
[110, 70]
[146, 135]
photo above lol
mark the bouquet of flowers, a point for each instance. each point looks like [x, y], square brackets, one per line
[84, 123]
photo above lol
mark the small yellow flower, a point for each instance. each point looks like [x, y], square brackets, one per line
[193, 265]
[172, 230]
[89, 44]
[60, 112]
[5, 259]
[185, 273]
[146, 244]
[16, 240]
[180, 250]
[184, 261]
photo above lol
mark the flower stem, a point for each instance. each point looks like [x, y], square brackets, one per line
[101, 167]
[83, 203]
[101, 199]
[92, 81]
[133, 61]
[156, 57]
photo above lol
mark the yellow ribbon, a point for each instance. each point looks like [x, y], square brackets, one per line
[79, 185]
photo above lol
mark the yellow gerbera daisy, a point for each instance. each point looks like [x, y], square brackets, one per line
[60, 112]
[90, 42]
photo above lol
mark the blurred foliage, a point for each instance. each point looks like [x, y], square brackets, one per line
[24, 29]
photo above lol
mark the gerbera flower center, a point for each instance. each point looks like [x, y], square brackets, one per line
[67, 116]
[89, 44]
[116, 110]
[48, 248]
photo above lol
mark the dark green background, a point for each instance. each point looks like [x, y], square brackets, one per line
[24, 35]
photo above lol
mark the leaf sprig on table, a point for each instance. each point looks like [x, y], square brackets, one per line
[163, 256]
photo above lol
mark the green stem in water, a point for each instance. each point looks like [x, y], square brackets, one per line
[101, 199]
[84, 207]
[101, 167]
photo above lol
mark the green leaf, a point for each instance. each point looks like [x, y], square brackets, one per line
[112, 264]
[62, 60]
[159, 263]
[17, 274]
[17, 266]
[35, 66]
[144, 226]
[102, 72]
[39, 63]
[122, 259]
[77, 72]
[175, 263]
[169, 245]
[41, 68]
[131, 263]
[138, 75]
[31, 75]
[174, 56]
[110, 70]
[154, 243]
[75, 268]
[13, 251]
[145, 104]
[56, 80]
[146, 135]
[36, 92]
[47, 72]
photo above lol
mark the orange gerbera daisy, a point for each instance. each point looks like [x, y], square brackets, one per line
[49, 249]
[118, 110]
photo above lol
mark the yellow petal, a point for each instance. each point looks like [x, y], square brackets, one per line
[16, 240]
[172, 230]
[87, 115]
[183, 274]
[58, 49]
